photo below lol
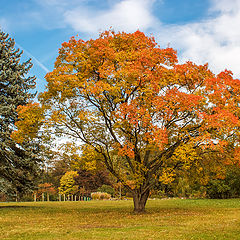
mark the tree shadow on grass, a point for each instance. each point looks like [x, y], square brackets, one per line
[15, 207]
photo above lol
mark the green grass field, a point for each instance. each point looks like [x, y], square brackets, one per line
[165, 219]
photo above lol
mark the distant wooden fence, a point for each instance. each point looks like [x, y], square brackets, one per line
[63, 197]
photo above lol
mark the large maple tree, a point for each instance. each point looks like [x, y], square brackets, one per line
[135, 106]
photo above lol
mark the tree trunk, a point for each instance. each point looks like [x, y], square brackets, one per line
[140, 200]
[17, 197]
[120, 191]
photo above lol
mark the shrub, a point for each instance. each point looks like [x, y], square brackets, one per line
[158, 194]
[106, 189]
[100, 195]
[218, 189]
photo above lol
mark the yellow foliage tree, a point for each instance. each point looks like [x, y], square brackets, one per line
[67, 183]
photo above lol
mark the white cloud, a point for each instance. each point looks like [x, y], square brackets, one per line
[127, 15]
[225, 6]
[215, 40]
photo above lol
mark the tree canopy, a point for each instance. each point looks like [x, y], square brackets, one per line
[18, 161]
[131, 102]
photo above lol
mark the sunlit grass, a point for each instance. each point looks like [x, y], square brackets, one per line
[165, 219]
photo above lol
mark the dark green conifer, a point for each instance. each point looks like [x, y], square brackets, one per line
[19, 164]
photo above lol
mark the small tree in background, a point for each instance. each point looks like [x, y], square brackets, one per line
[67, 183]
[45, 188]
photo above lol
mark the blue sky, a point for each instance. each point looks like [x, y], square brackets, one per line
[200, 30]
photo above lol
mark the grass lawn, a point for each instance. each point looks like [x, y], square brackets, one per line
[165, 219]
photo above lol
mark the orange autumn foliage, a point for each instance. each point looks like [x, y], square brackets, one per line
[135, 105]
[30, 119]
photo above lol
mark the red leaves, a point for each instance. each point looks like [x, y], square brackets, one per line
[222, 93]
[46, 188]
[127, 150]
[129, 93]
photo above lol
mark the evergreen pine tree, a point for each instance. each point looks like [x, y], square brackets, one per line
[18, 162]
